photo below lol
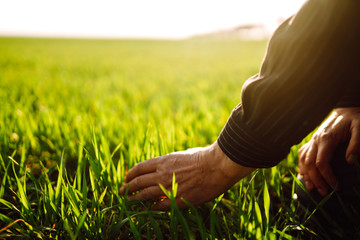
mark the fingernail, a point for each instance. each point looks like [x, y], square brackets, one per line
[353, 158]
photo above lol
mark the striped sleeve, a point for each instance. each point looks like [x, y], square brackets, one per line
[351, 98]
[311, 62]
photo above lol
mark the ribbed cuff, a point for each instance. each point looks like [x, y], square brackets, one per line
[246, 147]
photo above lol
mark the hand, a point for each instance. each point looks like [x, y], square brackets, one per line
[201, 173]
[315, 156]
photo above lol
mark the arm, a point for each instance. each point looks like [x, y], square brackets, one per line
[310, 64]
[306, 70]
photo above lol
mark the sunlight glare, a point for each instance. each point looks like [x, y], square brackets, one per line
[138, 18]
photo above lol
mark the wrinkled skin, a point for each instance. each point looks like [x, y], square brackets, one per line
[315, 156]
[202, 174]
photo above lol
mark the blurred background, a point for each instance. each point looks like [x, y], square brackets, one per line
[172, 19]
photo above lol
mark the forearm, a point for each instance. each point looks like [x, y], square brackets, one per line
[311, 61]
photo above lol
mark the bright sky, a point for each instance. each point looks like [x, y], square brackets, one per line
[137, 18]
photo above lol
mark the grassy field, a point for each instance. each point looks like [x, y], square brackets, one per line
[76, 114]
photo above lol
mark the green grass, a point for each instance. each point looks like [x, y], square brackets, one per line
[77, 114]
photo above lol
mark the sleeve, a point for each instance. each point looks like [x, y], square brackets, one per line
[310, 63]
[352, 97]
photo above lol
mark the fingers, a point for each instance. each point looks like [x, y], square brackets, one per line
[323, 159]
[152, 192]
[316, 180]
[308, 168]
[162, 205]
[155, 192]
[302, 155]
[142, 168]
[310, 155]
[313, 175]
[353, 149]
[308, 183]
[140, 182]
[165, 204]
